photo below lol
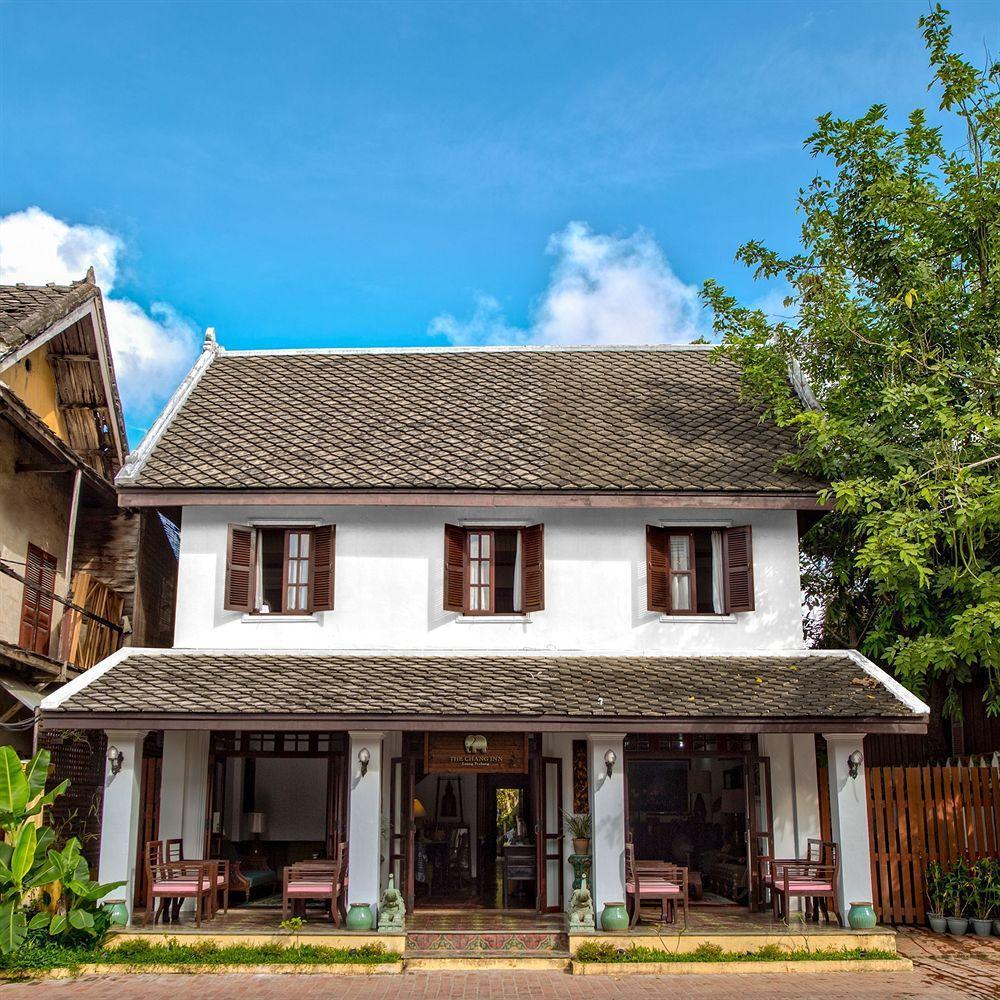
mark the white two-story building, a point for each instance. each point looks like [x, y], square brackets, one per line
[429, 601]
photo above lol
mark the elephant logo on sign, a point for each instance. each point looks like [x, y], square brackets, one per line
[476, 744]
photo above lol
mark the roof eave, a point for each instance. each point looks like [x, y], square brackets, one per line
[144, 496]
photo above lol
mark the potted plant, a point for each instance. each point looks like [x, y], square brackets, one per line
[957, 883]
[578, 825]
[934, 887]
[982, 896]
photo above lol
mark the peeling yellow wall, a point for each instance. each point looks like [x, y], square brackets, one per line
[37, 388]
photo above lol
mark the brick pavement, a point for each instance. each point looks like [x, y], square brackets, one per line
[946, 969]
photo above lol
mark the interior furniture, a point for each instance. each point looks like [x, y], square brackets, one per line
[813, 878]
[174, 880]
[518, 868]
[655, 880]
[174, 851]
[311, 880]
[248, 874]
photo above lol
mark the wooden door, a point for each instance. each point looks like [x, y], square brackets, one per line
[759, 819]
[549, 835]
[336, 803]
[149, 822]
[36, 604]
[402, 827]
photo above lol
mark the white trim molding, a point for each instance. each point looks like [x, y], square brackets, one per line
[137, 459]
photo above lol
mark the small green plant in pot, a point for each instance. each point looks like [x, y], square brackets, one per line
[982, 896]
[579, 828]
[958, 881]
[934, 888]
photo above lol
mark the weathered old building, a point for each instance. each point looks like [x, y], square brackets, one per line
[79, 576]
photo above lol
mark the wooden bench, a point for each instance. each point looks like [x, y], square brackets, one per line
[311, 880]
[655, 880]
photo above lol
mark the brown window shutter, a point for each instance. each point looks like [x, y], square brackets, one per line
[657, 569]
[533, 568]
[36, 604]
[240, 568]
[737, 559]
[324, 545]
[454, 568]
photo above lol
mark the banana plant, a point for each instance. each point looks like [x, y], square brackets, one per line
[29, 861]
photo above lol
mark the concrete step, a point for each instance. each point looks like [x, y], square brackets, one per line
[456, 962]
[542, 941]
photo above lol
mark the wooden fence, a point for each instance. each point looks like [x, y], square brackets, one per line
[921, 814]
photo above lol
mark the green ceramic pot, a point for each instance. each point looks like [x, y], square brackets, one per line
[118, 912]
[862, 917]
[614, 917]
[359, 918]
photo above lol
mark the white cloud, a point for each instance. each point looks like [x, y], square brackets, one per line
[602, 290]
[152, 350]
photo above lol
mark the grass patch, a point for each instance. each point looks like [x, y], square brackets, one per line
[172, 953]
[604, 952]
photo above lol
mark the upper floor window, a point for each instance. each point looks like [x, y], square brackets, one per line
[699, 571]
[493, 571]
[36, 604]
[280, 570]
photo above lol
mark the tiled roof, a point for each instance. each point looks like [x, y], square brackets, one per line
[26, 310]
[778, 686]
[619, 419]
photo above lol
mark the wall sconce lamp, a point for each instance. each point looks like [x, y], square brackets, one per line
[854, 763]
[115, 759]
[364, 759]
[610, 759]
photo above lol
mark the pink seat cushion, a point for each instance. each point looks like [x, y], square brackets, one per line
[799, 886]
[309, 889]
[178, 886]
[657, 887]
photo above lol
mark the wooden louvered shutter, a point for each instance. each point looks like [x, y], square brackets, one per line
[454, 568]
[324, 545]
[737, 557]
[240, 568]
[657, 569]
[36, 605]
[532, 568]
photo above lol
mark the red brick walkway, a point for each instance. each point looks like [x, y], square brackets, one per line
[946, 969]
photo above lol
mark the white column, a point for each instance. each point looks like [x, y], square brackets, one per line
[607, 814]
[849, 820]
[364, 821]
[120, 814]
[184, 792]
[794, 791]
[184, 789]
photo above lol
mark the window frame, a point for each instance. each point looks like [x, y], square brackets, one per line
[690, 573]
[469, 529]
[255, 611]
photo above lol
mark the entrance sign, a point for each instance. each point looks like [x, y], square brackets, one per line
[480, 753]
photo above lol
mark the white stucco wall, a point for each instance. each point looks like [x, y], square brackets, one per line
[389, 581]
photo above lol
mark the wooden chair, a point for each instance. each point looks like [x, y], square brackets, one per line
[311, 880]
[171, 880]
[655, 880]
[818, 852]
[174, 851]
[519, 868]
[814, 879]
[343, 877]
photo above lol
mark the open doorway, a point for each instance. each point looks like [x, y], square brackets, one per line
[692, 810]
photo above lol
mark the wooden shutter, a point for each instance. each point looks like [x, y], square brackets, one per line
[533, 568]
[36, 604]
[324, 545]
[657, 569]
[240, 568]
[454, 568]
[737, 558]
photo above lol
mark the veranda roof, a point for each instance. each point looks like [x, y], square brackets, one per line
[183, 689]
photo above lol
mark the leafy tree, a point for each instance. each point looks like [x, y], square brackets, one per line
[892, 336]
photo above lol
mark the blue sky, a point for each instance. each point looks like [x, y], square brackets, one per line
[383, 174]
